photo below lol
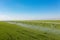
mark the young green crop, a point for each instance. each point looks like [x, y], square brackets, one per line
[43, 23]
[15, 32]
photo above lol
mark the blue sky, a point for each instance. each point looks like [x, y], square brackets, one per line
[29, 9]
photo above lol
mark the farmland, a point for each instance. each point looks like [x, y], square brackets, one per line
[29, 30]
[44, 23]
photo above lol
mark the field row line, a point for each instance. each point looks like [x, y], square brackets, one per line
[51, 22]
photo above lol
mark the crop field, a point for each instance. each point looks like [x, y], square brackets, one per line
[44, 23]
[30, 30]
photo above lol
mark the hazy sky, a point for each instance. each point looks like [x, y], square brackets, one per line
[29, 9]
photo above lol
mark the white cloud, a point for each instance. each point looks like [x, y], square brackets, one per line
[13, 17]
[25, 17]
[4, 17]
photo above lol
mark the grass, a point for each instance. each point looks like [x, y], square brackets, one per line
[15, 32]
[43, 23]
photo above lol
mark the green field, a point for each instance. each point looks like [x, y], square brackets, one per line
[54, 23]
[16, 32]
